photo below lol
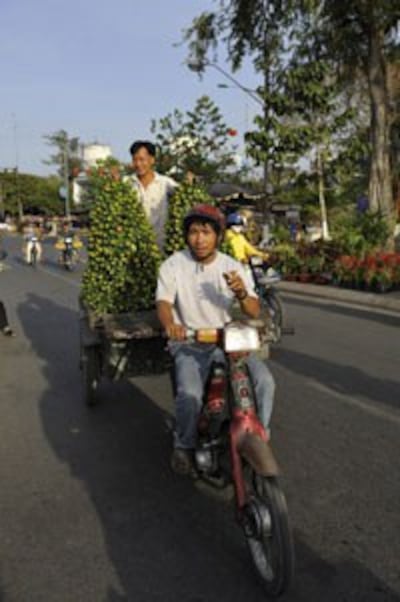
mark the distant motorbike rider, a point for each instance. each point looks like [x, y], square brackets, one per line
[68, 244]
[241, 248]
[32, 237]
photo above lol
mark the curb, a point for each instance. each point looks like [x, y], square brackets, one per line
[315, 291]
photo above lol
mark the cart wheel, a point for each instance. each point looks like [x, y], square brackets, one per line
[91, 374]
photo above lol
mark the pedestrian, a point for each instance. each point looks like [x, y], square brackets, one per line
[4, 325]
[153, 188]
[362, 203]
[293, 231]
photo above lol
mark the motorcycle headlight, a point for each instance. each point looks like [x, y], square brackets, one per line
[241, 337]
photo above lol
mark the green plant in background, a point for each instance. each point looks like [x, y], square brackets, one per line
[184, 198]
[313, 264]
[281, 234]
[196, 141]
[358, 234]
[285, 259]
[123, 255]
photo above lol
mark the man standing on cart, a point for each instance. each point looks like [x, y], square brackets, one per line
[153, 188]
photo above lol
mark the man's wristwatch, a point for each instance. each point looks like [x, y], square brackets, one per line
[242, 295]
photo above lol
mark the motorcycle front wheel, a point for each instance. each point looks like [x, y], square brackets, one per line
[268, 534]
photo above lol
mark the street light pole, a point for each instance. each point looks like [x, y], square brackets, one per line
[66, 182]
[247, 91]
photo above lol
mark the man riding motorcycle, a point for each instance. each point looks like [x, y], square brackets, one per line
[196, 289]
[68, 245]
[32, 236]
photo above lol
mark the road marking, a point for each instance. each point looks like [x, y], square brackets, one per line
[339, 303]
[386, 414]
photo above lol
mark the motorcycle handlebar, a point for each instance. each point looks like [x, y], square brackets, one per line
[214, 335]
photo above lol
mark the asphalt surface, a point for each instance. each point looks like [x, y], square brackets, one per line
[89, 510]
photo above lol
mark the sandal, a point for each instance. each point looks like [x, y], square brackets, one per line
[182, 462]
[8, 332]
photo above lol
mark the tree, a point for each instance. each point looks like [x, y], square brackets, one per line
[321, 118]
[361, 36]
[66, 153]
[195, 141]
[252, 28]
[121, 273]
[30, 193]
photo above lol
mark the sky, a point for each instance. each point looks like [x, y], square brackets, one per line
[101, 70]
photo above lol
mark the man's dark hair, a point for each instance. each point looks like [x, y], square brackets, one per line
[138, 144]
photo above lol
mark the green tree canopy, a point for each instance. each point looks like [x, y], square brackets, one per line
[32, 192]
[196, 141]
[66, 152]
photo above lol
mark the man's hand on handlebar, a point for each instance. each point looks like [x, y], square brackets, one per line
[176, 332]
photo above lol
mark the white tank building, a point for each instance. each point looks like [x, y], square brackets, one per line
[90, 155]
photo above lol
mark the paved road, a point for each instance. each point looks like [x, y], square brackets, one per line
[89, 510]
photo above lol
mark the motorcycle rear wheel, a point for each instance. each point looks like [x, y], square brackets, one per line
[269, 535]
[274, 306]
[33, 257]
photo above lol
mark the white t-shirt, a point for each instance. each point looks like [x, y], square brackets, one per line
[198, 292]
[154, 198]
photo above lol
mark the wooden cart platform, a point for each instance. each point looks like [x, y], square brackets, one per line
[116, 346]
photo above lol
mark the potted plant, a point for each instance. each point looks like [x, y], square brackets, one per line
[290, 268]
[344, 270]
[379, 279]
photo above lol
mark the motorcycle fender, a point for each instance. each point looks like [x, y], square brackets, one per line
[259, 455]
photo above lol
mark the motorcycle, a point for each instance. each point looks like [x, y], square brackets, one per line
[233, 447]
[33, 254]
[68, 253]
[265, 278]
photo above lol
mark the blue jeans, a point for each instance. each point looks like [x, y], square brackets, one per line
[192, 366]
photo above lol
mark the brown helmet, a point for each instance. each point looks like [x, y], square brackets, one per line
[204, 213]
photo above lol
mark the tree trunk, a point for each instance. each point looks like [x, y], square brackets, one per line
[380, 180]
[321, 194]
[266, 183]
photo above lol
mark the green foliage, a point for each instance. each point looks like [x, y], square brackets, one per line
[195, 141]
[123, 254]
[184, 198]
[281, 234]
[360, 234]
[315, 259]
[323, 77]
[285, 259]
[372, 28]
[62, 144]
[34, 193]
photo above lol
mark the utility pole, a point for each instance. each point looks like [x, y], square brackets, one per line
[1, 199]
[17, 195]
[66, 179]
